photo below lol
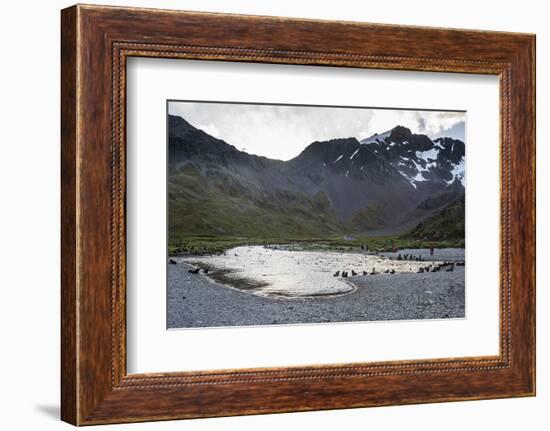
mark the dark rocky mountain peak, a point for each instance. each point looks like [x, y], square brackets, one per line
[178, 127]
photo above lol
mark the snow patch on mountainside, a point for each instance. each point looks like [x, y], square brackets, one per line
[419, 177]
[419, 167]
[411, 180]
[458, 172]
[428, 155]
[376, 138]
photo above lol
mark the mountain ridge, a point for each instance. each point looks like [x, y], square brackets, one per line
[390, 181]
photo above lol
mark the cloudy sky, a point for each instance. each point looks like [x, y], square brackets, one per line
[283, 131]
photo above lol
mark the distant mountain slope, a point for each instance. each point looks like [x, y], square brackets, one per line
[445, 224]
[391, 181]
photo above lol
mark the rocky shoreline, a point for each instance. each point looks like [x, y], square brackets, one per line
[195, 301]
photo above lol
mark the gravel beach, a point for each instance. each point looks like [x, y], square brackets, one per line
[194, 301]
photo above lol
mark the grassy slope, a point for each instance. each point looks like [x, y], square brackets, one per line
[445, 224]
[369, 218]
[221, 206]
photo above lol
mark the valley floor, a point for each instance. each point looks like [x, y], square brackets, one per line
[194, 301]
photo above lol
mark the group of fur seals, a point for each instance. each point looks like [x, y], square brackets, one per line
[190, 271]
[410, 257]
[197, 271]
[345, 274]
[447, 266]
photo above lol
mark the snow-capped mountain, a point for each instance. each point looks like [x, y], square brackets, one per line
[388, 182]
[419, 159]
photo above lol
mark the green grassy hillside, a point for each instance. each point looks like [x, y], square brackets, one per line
[445, 224]
[221, 205]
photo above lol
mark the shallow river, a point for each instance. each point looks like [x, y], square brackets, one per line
[279, 272]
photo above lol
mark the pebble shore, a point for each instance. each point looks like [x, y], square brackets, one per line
[196, 301]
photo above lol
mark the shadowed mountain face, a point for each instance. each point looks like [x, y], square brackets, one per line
[388, 183]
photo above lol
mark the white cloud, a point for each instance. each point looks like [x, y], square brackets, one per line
[211, 129]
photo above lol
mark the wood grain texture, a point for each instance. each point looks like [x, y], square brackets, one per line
[69, 331]
[96, 41]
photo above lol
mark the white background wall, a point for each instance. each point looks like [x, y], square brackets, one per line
[29, 215]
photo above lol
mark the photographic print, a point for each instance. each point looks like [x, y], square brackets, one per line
[300, 214]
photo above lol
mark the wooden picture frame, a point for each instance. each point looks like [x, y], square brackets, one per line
[95, 43]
